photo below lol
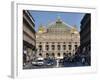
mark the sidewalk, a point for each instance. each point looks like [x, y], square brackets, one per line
[27, 66]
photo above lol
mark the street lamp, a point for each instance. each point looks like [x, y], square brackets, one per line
[24, 57]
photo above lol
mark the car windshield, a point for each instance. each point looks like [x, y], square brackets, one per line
[40, 60]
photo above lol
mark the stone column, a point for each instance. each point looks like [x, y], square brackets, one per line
[61, 46]
[67, 48]
[73, 48]
[43, 49]
[56, 49]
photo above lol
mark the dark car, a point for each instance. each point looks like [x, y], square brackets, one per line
[49, 62]
[61, 60]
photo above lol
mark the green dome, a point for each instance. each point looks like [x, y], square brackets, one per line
[59, 25]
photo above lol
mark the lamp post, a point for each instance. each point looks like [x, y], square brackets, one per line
[24, 57]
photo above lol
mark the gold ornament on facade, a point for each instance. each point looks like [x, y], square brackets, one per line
[74, 30]
[41, 29]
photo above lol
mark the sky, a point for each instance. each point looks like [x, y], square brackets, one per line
[46, 17]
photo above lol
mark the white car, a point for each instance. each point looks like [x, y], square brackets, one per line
[38, 62]
[34, 63]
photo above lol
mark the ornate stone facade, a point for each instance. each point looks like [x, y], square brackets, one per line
[56, 40]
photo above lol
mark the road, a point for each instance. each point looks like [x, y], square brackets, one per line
[64, 64]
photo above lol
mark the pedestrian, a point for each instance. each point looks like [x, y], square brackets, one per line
[83, 60]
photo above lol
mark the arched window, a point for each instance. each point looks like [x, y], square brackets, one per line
[59, 54]
[53, 54]
[40, 54]
[76, 47]
[40, 47]
[47, 47]
[64, 47]
[70, 47]
[53, 47]
[58, 46]
[69, 54]
[47, 54]
[64, 54]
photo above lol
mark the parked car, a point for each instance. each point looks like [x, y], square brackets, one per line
[34, 63]
[38, 62]
[49, 62]
[61, 61]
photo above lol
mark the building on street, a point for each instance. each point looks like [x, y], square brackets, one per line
[57, 39]
[29, 38]
[85, 38]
